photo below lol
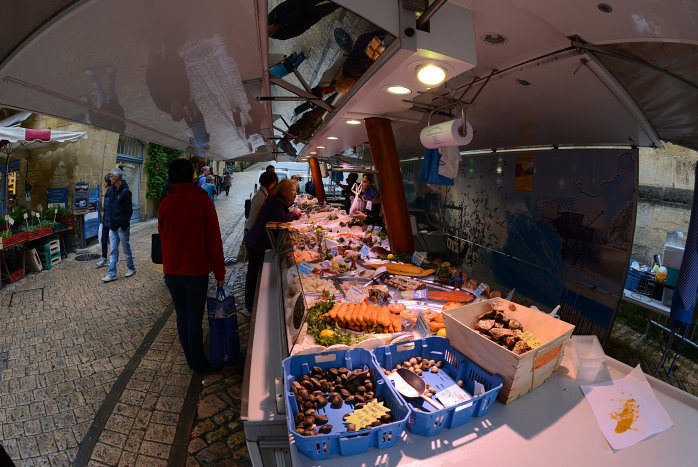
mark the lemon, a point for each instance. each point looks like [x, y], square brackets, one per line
[391, 256]
[326, 333]
[440, 332]
[334, 265]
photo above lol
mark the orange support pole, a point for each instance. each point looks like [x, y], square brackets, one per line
[317, 179]
[397, 221]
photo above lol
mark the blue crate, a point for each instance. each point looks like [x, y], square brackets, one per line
[632, 281]
[339, 441]
[425, 419]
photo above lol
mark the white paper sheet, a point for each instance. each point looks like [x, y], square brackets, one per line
[627, 410]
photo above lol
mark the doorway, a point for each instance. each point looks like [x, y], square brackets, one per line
[129, 157]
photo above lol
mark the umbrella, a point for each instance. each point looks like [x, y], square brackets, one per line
[16, 138]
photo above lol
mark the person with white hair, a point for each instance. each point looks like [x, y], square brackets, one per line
[120, 211]
[201, 179]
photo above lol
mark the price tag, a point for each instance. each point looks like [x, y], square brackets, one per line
[55, 211]
[368, 228]
[334, 251]
[365, 251]
[369, 205]
[368, 414]
[418, 257]
[377, 229]
[324, 265]
[385, 244]
[420, 294]
[452, 395]
[305, 268]
[26, 215]
[38, 214]
[33, 213]
[355, 295]
[422, 326]
[480, 288]
[10, 220]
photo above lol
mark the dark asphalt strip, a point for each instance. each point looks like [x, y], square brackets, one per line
[88, 443]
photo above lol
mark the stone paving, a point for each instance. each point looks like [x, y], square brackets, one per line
[93, 373]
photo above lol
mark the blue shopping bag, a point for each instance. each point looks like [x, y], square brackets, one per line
[223, 330]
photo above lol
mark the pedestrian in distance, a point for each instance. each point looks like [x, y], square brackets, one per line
[210, 188]
[227, 181]
[120, 211]
[191, 249]
[104, 238]
[271, 168]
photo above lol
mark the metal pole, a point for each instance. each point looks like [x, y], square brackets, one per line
[429, 12]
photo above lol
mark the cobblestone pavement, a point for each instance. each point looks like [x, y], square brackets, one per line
[93, 373]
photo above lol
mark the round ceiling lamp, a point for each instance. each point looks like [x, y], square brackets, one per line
[353, 122]
[431, 75]
[400, 90]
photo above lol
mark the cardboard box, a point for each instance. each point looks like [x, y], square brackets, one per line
[521, 373]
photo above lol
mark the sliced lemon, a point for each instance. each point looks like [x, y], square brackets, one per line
[440, 332]
[326, 333]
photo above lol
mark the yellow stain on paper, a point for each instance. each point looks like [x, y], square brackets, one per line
[626, 414]
[366, 415]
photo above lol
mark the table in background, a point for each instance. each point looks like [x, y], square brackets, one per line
[655, 306]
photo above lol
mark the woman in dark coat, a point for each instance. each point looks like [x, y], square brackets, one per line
[105, 223]
[275, 209]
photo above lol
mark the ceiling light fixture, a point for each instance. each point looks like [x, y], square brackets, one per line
[400, 90]
[431, 75]
[494, 38]
[332, 137]
[353, 122]
[313, 152]
[320, 147]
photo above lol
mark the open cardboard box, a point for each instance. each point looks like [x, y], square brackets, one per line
[521, 373]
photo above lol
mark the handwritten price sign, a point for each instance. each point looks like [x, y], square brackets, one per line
[368, 414]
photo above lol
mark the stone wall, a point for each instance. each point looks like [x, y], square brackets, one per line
[665, 193]
[61, 165]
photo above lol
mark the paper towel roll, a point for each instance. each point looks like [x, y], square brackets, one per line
[446, 134]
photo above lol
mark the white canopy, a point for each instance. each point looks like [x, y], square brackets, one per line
[26, 138]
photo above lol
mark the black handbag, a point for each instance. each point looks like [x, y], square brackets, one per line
[156, 249]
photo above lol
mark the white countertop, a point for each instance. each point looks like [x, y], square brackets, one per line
[551, 426]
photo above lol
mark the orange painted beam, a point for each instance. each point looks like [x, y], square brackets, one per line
[384, 152]
[317, 179]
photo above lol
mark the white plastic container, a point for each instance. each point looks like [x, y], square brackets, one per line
[587, 356]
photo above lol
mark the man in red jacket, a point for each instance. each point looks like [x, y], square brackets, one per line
[191, 249]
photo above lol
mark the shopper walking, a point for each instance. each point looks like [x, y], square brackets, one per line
[210, 188]
[104, 238]
[275, 209]
[205, 172]
[120, 211]
[191, 249]
[227, 181]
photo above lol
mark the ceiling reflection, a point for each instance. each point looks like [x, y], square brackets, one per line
[317, 53]
[170, 72]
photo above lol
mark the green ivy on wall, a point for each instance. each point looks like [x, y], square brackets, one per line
[156, 166]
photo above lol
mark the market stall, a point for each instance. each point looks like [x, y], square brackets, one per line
[330, 289]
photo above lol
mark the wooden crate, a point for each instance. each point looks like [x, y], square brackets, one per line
[521, 373]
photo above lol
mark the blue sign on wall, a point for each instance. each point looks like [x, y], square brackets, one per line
[57, 196]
